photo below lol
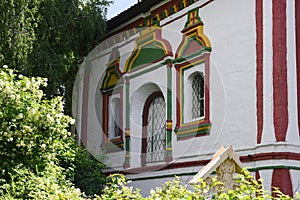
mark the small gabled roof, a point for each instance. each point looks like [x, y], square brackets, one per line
[218, 158]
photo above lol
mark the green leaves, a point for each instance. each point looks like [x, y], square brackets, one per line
[39, 158]
[247, 189]
[17, 30]
[49, 38]
[32, 129]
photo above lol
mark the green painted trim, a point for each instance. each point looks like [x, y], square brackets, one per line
[169, 109]
[148, 48]
[182, 78]
[108, 90]
[169, 152]
[193, 134]
[164, 176]
[189, 17]
[131, 32]
[191, 56]
[194, 173]
[112, 147]
[127, 143]
[273, 167]
[127, 139]
[127, 106]
[148, 54]
[146, 71]
[109, 72]
[192, 126]
[169, 92]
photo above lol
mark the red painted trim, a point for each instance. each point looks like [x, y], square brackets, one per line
[280, 92]
[143, 66]
[297, 27]
[257, 175]
[155, 36]
[270, 156]
[179, 124]
[121, 115]
[158, 10]
[207, 86]
[259, 69]
[105, 118]
[130, 26]
[196, 163]
[85, 101]
[281, 179]
[178, 96]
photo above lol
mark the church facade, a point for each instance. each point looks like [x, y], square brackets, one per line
[173, 81]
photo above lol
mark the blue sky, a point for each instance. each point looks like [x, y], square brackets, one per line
[119, 6]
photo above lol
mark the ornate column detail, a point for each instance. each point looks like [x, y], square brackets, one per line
[169, 156]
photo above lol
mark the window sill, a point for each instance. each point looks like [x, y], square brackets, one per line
[193, 129]
[113, 145]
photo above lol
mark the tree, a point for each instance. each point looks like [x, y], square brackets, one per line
[49, 38]
[19, 19]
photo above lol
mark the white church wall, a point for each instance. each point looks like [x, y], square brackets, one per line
[232, 79]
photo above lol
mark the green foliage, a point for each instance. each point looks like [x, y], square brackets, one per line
[247, 189]
[33, 130]
[116, 189]
[48, 38]
[19, 19]
[47, 184]
[88, 176]
[39, 158]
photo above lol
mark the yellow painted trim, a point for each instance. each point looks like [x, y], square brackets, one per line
[169, 149]
[139, 44]
[169, 125]
[175, 8]
[127, 132]
[193, 130]
[166, 13]
[184, 3]
[181, 93]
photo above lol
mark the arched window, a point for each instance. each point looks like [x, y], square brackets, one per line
[114, 119]
[154, 131]
[197, 96]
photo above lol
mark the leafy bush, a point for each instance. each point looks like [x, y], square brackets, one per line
[33, 130]
[39, 157]
[247, 189]
[88, 176]
[50, 183]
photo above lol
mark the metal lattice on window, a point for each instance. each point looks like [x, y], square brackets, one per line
[197, 96]
[156, 138]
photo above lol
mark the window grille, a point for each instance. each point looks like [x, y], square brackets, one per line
[197, 96]
[156, 131]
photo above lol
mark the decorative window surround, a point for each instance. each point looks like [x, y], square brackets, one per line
[112, 90]
[149, 48]
[186, 129]
[192, 56]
